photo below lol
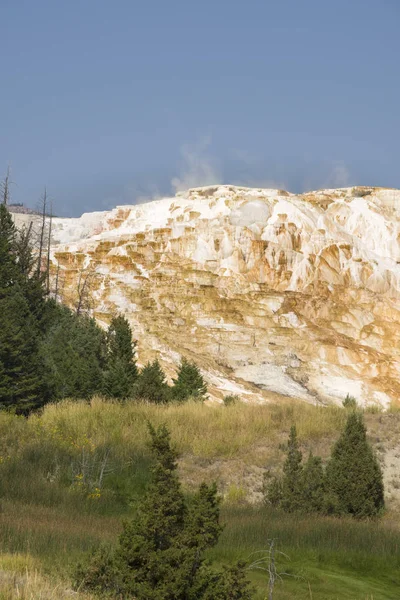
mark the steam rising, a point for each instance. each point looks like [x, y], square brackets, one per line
[198, 169]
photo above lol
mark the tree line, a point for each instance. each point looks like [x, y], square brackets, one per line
[49, 352]
[350, 484]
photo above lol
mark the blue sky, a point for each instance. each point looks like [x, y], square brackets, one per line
[111, 102]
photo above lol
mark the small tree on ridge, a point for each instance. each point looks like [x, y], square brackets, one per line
[189, 383]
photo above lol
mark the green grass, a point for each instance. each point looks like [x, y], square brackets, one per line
[336, 559]
[51, 514]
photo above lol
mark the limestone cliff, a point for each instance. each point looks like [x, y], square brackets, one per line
[271, 293]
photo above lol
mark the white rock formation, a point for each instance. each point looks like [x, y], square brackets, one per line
[271, 293]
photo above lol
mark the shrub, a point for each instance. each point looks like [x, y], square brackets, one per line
[235, 495]
[230, 399]
[350, 402]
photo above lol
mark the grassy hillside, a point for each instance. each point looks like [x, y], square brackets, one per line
[69, 476]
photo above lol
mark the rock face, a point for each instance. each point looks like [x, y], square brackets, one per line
[271, 293]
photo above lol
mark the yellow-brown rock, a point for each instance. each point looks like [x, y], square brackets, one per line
[270, 293]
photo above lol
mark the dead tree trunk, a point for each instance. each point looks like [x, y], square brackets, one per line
[5, 188]
[42, 230]
[48, 250]
[57, 277]
[271, 570]
[267, 563]
[83, 303]
[26, 260]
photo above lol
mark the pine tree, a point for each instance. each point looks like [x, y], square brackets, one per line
[272, 490]
[73, 350]
[21, 370]
[119, 340]
[354, 477]
[8, 266]
[189, 383]
[151, 384]
[292, 475]
[121, 372]
[160, 554]
[32, 281]
[313, 485]
[17, 264]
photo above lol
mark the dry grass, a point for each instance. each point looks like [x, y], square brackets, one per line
[230, 444]
[204, 431]
[47, 524]
[20, 578]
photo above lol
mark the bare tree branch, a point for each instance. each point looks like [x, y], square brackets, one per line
[5, 187]
[48, 249]
[42, 229]
[84, 299]
[57, 280]
[267, 563]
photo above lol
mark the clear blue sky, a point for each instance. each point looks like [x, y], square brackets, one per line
[106, 102]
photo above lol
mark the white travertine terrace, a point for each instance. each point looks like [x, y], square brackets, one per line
[271, 293]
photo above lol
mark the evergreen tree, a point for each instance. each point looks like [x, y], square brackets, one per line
[119, 340]
[73, 350]
[17, 264]
[121, 371]
[350, 402]
[229, 584]
[292, 475]
[354, 477]
[21, 370]
[8, 265]
[272, 489]
[189, 383]
[148, 552]
[32, 280]
[46, 351]
[313, 485]
[151, 384]
[160, 554]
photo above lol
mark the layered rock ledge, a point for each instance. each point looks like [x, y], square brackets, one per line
[273, 294]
